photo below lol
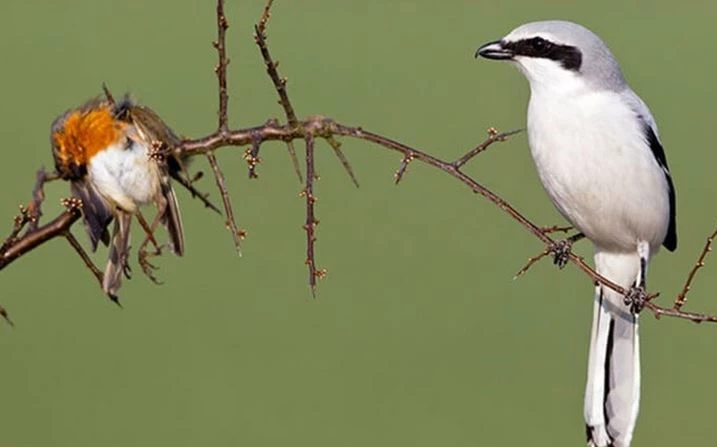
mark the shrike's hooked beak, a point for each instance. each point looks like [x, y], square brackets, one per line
[495, 50]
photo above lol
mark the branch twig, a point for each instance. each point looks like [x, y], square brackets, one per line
[17, 247]
[336, 146]
[84, 256]
[223, 126]
[14, 246]
[311, 222]
[405, 161]
[221, 67]
[682, 297]
[555, 229]
[5, 316]
[231, 224]
[493, 136]
[272, 67]
[252, 158]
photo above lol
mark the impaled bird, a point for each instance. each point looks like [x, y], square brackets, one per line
[598, 154]
[114, 155]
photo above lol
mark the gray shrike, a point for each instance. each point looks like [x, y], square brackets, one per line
[596, 147]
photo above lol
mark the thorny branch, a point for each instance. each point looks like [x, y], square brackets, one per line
[493, 136]
[15, 245]
[309, 129]
[28, 220]
[311, 222]
[223, 126]
[556, 229]
[231, 224]
[682, 297]
[221, 69]
[83, 255]
[272, 69]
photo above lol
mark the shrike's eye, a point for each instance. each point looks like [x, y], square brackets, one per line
[540, 45]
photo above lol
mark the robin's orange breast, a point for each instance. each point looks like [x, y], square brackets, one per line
[85, 133]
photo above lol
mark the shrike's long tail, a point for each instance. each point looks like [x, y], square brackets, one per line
[612, 394]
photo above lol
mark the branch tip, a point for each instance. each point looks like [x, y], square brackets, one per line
[336, 146]
[493, 137]
[682, 296]
[405, 161]
[221, 68]
[310, 222]
[228, 212]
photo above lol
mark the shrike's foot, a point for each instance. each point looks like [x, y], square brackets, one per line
[560, 250]
[635, 299]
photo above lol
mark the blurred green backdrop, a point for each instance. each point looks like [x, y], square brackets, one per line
[418, 336]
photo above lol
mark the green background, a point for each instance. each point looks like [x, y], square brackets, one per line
[418, 336]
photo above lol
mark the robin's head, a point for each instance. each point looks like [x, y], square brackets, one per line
[79, 134]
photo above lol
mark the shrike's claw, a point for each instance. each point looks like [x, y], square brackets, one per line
[635, 299]
[560, 250]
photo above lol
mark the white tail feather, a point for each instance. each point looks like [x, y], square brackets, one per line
[612, 394]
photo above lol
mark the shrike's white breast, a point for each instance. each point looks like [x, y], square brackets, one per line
[593, 160]
[125, 175]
